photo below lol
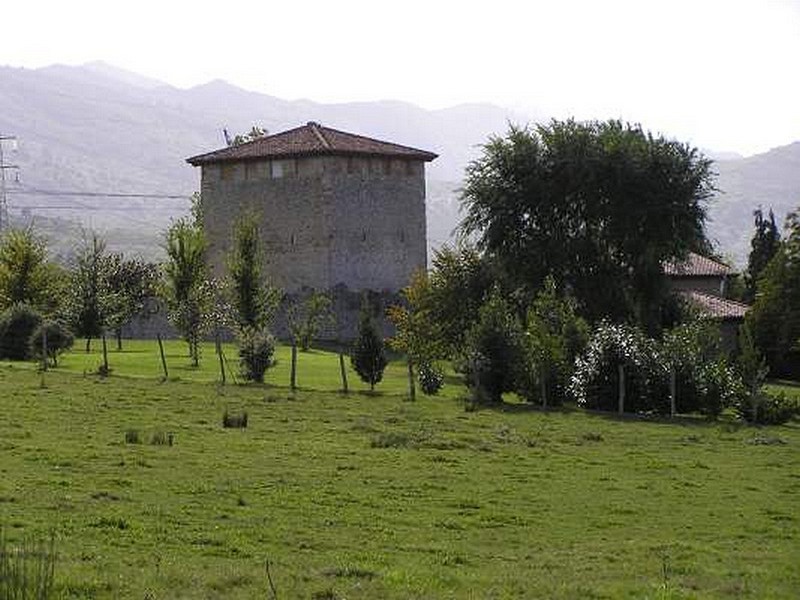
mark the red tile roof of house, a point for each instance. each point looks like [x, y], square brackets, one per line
[311, 139]
[697, 266]
[716, 307]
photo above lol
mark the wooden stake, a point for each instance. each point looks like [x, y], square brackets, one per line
[105, 355]
[543, 384]
[44, 347]
[673, 392]
[621, 373]
[218, 345]
[412, 388]
[163, 358]
[344, 373]
[294, 366]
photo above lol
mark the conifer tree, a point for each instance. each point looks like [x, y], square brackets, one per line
[368, 355]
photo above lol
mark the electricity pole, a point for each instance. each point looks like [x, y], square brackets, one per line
[4, 222]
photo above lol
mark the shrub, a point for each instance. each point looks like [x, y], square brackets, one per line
[59, 340]
[705, 382]
[17, 325]
[493, 351]
[368, 356]
[234, 421]
[768, 409]
[132, 437]
[256, 349]
[430, 378]
[595, 383]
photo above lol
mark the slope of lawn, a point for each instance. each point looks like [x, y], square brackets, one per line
[372, 496]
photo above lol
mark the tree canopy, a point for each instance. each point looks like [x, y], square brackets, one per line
[597, 205]
[765, 243]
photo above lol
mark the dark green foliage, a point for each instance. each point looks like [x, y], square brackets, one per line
[775, 316]
[595, 384]
[458, 284]
[430, 378]
[27, 570]
[187, 295]
[59, 340]
[554, 336]
[493, 351]
[17, 325]
[368, 355]
[768, 409]
[765, 243]
[253, 302]
[256, 349]
[234, 420]
[132, 436]
[597, 205]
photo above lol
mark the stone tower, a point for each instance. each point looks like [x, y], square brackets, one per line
[335, 209]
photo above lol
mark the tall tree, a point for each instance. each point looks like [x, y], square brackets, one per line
[252, 300]
[89, 297]
[187, 292]
[775, 317]
[765, 243]
[26, 276]
[597, 205]
[368, 356]
[131, 282]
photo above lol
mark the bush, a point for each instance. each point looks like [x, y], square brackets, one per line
[705, 382]
[493, 351]
[27, 570]
[17, 325]
[430, 378]
[595, 383]
[234, 421]
[767, 409]
[256, 349]
[59, 340]
[368, 356]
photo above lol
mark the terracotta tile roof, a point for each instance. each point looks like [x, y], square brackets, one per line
[697, 266]
[716, 307]
[311, 139]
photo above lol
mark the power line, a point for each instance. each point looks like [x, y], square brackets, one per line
[86, 194]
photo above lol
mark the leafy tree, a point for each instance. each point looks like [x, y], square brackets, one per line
[308, 316]
[256, 348]
[89, 297]
[253, 302]
[554, 336]
[368, 356]
[131, 282]
[419, 334]
[59, 340]
[765, 243]
[775, 315]
[457, 286]
[493, 350]
[26, 276]
[188, 295]
[597, 205]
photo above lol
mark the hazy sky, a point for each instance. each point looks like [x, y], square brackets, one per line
[723, 75]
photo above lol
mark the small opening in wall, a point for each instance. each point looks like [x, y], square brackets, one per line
[291, 240]
[363, 236]
[402, 236]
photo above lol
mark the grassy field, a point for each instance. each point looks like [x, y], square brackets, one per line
[372, 496]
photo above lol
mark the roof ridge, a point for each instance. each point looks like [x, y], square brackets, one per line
[316, 128]
[372, 139]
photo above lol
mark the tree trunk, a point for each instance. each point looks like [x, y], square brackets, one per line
[118, 333]
[88, 345]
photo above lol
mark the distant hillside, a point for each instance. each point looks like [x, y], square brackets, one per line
[97, 128]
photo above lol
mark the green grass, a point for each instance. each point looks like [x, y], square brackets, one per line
[371, 496]
[316, 369]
